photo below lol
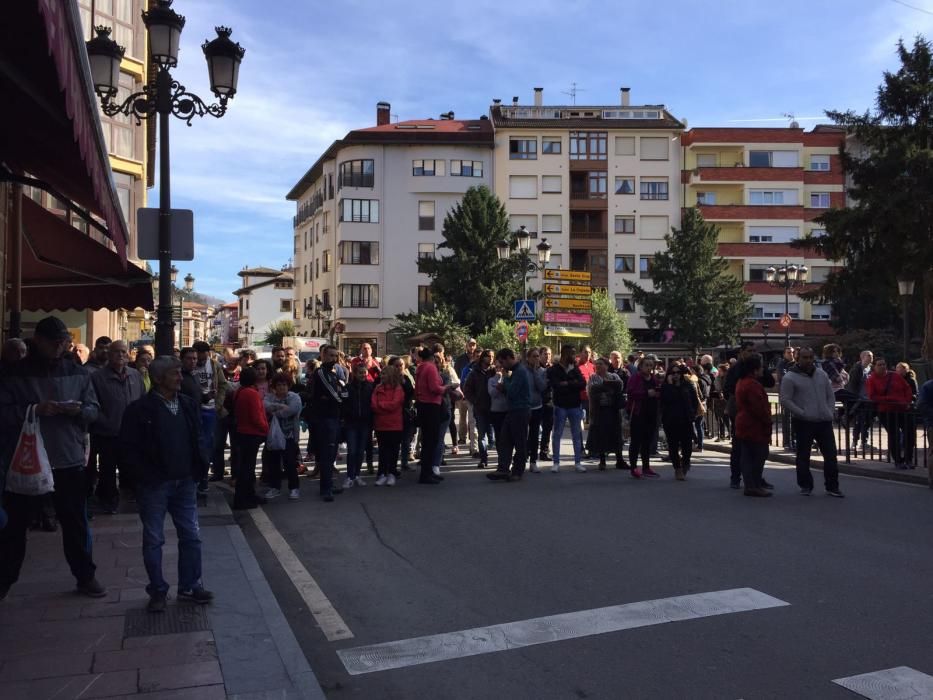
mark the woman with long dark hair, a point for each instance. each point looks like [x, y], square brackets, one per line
[679, 406]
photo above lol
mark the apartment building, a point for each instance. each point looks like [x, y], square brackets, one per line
[367, 210]
[601, 183]
[264, 299]
[764, 188]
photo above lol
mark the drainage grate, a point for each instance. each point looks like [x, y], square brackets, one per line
[176, 618]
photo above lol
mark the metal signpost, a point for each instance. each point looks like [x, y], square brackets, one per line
[567, 303]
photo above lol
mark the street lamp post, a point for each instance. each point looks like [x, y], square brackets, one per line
[787, 277]
[320, 312]
[167, 97]
[521, 245]
[905, 287]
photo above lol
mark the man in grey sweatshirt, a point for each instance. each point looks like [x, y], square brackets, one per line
[807, 395]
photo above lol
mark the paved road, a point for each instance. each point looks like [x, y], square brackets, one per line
[399, 563]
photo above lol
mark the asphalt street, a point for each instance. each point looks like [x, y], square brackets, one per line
[412, 560]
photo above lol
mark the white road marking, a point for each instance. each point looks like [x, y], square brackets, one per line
[899, 683]
[541, 630]
[326, 616]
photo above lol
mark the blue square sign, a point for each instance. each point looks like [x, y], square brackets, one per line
[524, 309]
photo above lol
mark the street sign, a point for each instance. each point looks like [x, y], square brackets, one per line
[570, 275]
[147, 234]
[569, 331]
[578, 304]
[521, 330]
[785, 321]
[552, 288]
[582, 297]
[570, 318]
[524, 309]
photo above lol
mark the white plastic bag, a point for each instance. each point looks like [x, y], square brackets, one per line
[30, 473]
[275, 440]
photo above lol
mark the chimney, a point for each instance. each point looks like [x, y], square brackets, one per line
[383, 110]
[539, 96]
[624, 94]
[496, 101]
[514, 101]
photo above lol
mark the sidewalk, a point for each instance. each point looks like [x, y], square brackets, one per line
[56, 644]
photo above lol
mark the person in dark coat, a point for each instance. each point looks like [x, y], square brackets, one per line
[605, 391]
[679, 406]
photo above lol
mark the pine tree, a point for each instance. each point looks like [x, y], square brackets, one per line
[694, 294]
[887, 233]
[471, 280]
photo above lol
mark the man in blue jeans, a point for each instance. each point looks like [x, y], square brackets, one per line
[160, 440]
[567, 382]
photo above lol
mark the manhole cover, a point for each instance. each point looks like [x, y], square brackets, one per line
[176, 618]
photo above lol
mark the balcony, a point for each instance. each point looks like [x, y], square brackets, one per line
[738, 212]
[744, 174]
[759, 250]
[765, 289]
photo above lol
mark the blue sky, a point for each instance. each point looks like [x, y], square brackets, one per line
[315, 70]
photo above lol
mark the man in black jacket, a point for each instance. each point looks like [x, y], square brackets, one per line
[327, 396]
[567, 382]
[160, 443]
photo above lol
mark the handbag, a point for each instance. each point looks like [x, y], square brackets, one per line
[30, 472]
[275, 440]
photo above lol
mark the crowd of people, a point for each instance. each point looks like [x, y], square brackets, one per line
[121, 423]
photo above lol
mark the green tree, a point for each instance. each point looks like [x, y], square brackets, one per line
[694, 294]
[501, 334]
[439, 321]
[471, 280]
[277, 331]
[609, 328]
[887, 233]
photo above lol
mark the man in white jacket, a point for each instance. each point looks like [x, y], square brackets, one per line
[807, 395]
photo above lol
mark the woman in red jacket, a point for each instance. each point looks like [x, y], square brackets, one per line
[252, 426]
[429, 392]
[752, 425]
[387, 402]
[892, 397]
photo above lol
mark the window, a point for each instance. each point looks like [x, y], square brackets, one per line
[356, 173]
[529, 221]
[588, 145]
[551, 223]
[817, 232]
[819, 274]
[772, 197]
[551, 184]
[427, 168]
[625, 264]
[819, 200]
[118, 130]
[653, 189]
[775, 310]
[359, 253]
[523, 149]
[820, 312]
[625, 185]
[587, 222]
[772, 234]
[425, 251]
[625, 145]
[125, 193]
[706, 198]
[425, 300]
[358, 296]
[317, 268]
[625, 224]
[756, 273]
[655, 147]
[820, 163]
[285, 306]
[305, 269]
[596, 184]
[362, 210]
[327, 261]
[550, 144]
[557, 261]
[707, 160]
[426, 216]
[654, 227]
[773, 159]
[523, 186]
[466, 168]
[645, 264]
[624, 303]
[325, 298]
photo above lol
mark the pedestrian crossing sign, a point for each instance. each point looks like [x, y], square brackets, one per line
[524, 309]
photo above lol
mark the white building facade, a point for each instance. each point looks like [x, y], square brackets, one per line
[265, 299]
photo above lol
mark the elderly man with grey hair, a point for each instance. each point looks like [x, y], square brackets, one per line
[160, 443]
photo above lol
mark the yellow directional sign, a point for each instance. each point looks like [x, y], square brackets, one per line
[568, 331]
[577, 304]
[583, 290]
[569, 275]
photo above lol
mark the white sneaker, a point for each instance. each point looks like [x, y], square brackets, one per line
[273, 493]
[390, 480]
[579, 467]
[534, 468]
[381, 481]
[360, 481]
[555, 469]
[293, 495]
[436, 470]
[348, 483]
